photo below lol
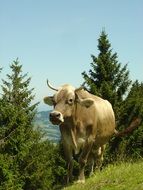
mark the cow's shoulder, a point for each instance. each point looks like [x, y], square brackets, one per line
[85, 94]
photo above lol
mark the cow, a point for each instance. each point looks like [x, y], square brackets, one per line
[86, 123]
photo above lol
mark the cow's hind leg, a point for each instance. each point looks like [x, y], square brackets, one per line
[91, 164]
[99, 157]
[96, 158]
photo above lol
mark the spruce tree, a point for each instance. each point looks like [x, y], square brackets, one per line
[107, 78]
[16, 118]
[19, 112]
[26, 160]
[133, 108]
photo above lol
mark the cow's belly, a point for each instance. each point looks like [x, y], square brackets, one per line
[103, 135]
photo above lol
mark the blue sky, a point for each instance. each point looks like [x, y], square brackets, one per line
[54, 39]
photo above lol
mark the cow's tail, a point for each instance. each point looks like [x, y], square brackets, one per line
[133, 125]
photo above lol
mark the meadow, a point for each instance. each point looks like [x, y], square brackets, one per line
[120, 176]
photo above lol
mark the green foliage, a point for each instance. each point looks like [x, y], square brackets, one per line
[43, 167]
[26, 161]
[133, 104]
[131, 145]
[107, 78]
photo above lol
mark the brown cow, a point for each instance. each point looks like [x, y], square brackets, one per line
[86, 123]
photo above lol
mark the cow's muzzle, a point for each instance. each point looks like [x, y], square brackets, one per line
[56, 118]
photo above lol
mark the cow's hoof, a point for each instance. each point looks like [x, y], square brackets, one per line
[81, 181]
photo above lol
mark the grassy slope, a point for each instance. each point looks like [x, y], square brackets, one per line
[124, 176]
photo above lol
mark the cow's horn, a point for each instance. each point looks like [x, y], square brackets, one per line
[78, 89]
[50, 86]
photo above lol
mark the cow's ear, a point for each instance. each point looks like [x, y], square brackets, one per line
[49, 100]
[84, 102]
[87, 102]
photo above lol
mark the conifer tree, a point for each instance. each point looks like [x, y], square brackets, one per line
[17, 133]
[19, 111]
[26, 160]
[107, 78]
[133, 108]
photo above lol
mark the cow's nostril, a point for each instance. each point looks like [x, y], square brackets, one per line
[51, 114]
[58, 115]
[54, 115]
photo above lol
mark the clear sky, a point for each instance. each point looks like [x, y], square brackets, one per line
[54, 39]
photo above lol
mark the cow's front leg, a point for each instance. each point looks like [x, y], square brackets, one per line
[69, 160]
[83, 158]
[70, 170]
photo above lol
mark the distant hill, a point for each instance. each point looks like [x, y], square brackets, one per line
[52, 131]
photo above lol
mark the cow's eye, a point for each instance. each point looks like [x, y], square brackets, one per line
[70, 101]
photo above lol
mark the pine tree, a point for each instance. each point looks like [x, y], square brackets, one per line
[16, 118]
[133, 108]
[133, 104]
[26, 160]
[19, 112]
[107, 78]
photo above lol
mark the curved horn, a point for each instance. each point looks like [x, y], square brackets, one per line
[78, 89]
[50, 86]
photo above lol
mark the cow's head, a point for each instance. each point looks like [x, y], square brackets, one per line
[64, 101]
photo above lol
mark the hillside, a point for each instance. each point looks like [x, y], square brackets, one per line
[42, 120]
[123, 176]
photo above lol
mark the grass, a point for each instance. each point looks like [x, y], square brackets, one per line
[122, 176]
